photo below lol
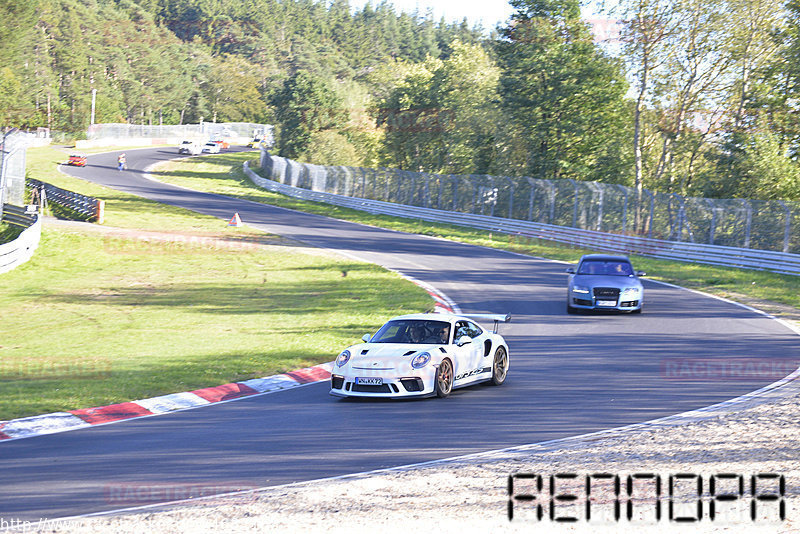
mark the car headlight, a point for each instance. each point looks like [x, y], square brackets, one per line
[580, 289]
[343, 358]
[630, 291]
[420, 360]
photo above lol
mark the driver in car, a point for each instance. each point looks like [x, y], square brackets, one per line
[442, 335]
[416, 334]
[438, 335]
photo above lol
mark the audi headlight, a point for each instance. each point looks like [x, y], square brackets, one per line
[420, 360]
[343, 358]
[629, 291]
[580, 289]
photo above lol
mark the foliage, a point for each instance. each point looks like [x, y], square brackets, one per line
[175, 61]
[305, 106]
[715, 84]
[562, 95]
[443, 115]
[329, 148]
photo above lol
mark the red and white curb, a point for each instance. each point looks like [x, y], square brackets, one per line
[62, 421]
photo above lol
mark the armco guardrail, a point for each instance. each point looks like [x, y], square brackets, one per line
[89, 207]
[689, 252]
[18, 216]
[20, 250]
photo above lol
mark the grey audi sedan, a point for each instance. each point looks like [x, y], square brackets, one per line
[603, 282]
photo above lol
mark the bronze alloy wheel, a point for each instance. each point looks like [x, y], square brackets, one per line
[444, 379]
[499, 366]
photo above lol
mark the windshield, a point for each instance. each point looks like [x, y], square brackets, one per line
[606, 267]
[413, 331]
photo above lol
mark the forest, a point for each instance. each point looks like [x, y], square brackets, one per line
[695, 97]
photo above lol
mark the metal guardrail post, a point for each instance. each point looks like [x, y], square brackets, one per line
[531, 197]
[713, 228]
[787, 225]
[412, 191]
[575, 206]
[600, 191]
[552, 189]
[652, 214]
[748, 223]
[488, 195]
[474, 194]
[624, 209]
[681, 217]
[510, 196]
[385, 174]
[363, 182]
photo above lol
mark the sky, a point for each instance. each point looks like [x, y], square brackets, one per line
[487, 12]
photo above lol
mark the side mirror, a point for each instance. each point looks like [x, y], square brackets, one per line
[641, 273]
[365, 338]
[570, 270]
[463, 340]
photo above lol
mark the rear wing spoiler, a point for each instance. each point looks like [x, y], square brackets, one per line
[495, 317]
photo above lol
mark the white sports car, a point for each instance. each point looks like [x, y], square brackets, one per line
[211, 147]
[422, 355]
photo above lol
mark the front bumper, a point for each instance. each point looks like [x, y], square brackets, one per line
[397, 387]
[594, 303]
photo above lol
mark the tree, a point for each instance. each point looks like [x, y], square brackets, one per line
[762, 169]
[410, 117]
[330, 148]
[10, 98]
[646, 26]
[774, 96]
[17, 20]
[467, 87]
[231, 90]
[442, 116]
[563, 96]
[305, 105]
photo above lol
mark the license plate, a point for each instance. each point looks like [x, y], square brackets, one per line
[606, 302]
[371, 381]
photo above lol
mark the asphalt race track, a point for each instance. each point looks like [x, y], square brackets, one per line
[569, 375]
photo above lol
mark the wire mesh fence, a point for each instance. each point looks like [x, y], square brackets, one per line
[205, 130]
[758, 224]
[12, 169]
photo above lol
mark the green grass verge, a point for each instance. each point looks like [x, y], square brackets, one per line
[223, 174]
[95, 319]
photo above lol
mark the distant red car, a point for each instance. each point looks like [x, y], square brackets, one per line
[222, 144]
[77, 161]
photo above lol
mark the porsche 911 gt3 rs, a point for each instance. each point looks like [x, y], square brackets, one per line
[422, 355]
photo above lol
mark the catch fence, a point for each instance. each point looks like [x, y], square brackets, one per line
[205, 130]
[599, 207]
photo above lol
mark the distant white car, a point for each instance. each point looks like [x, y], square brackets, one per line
[422, 355]
[190, 147]
[211, 147]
